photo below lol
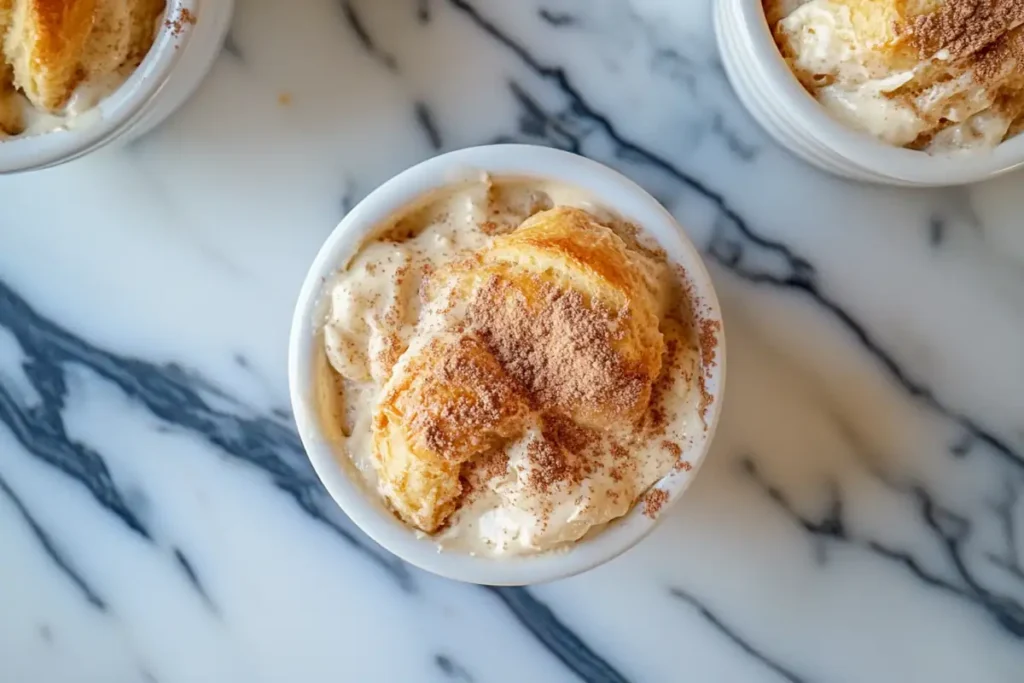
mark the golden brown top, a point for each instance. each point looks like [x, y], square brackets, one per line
[963, 27]
[51, 46]
[561, 327]
[568, 311]
[960, 65]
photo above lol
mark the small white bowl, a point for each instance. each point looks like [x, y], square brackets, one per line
[769, 90]
[612, 190]
[175, 65]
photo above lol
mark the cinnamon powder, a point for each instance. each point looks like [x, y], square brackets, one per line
[965, 27]
[560, 349]
[653, 502]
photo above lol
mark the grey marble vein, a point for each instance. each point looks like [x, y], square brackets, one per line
[428, 124]
[764, 660]
[55, 554]
[193, 577]
[355, 22]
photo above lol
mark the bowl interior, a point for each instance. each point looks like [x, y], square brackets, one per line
[861, 149]
[618, 194]
[121, 106]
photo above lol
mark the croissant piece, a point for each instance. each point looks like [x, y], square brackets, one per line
[53, 45]
[562, 318]
[443, 405]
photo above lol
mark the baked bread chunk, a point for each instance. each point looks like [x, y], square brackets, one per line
[932, 64]
[444, 405]
[561, 319]
[53, 45]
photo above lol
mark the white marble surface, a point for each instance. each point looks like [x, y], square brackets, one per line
[860, 517]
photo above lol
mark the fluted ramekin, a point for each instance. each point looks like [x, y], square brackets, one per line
[179, 59]
[768, 89]
[612, 190]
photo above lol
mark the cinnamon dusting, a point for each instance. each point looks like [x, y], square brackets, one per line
[964, 27]
[560, 349]
[653, 502]
[536, 366]
[180, 21]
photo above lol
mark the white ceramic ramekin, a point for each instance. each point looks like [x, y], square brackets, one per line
[612, 190]
[180, 58]
[772, 94]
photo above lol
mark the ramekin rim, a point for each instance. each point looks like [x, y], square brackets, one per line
[33, 152]
[859, 148]
[383, 202]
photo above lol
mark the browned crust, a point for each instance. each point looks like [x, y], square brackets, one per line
[52, 33]
[52, 45]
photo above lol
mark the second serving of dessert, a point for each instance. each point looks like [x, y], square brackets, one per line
[509, 367]
[62, 57]
[933, 75]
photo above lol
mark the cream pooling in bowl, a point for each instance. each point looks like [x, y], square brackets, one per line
[936, 75]
[549, 480]
[61, 58]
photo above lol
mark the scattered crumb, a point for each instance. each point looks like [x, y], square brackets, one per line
[672, 448]
[653, 501]
[284, 99]
[177, 24]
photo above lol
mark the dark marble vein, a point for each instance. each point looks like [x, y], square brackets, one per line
[677, 67]
[1011, 560]
[58, 558]
[557, 18]
[348, 196]
[741, 150]
[40, 430]
[193, 578]
[452, 669]
[801, 283]
[953, 530]
[172, 395]
[730, 633]
[834, 530]
[936, 231]
[961, 448]
[425, 120]
[950, 529]
[423, 11]
[534, 122]
[355, 22]
[545, 626]
[231, 46]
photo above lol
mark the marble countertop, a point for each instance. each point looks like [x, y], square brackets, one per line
[860, 517]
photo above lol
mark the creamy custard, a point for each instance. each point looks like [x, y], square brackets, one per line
[937, 75]
[548, 480]
[60, 59]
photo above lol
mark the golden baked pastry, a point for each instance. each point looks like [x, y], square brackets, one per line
[442, 406]
[568, 291]
[53, 45]
[931, 64]
[878, 24]
[11, 120]
[561, 319]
